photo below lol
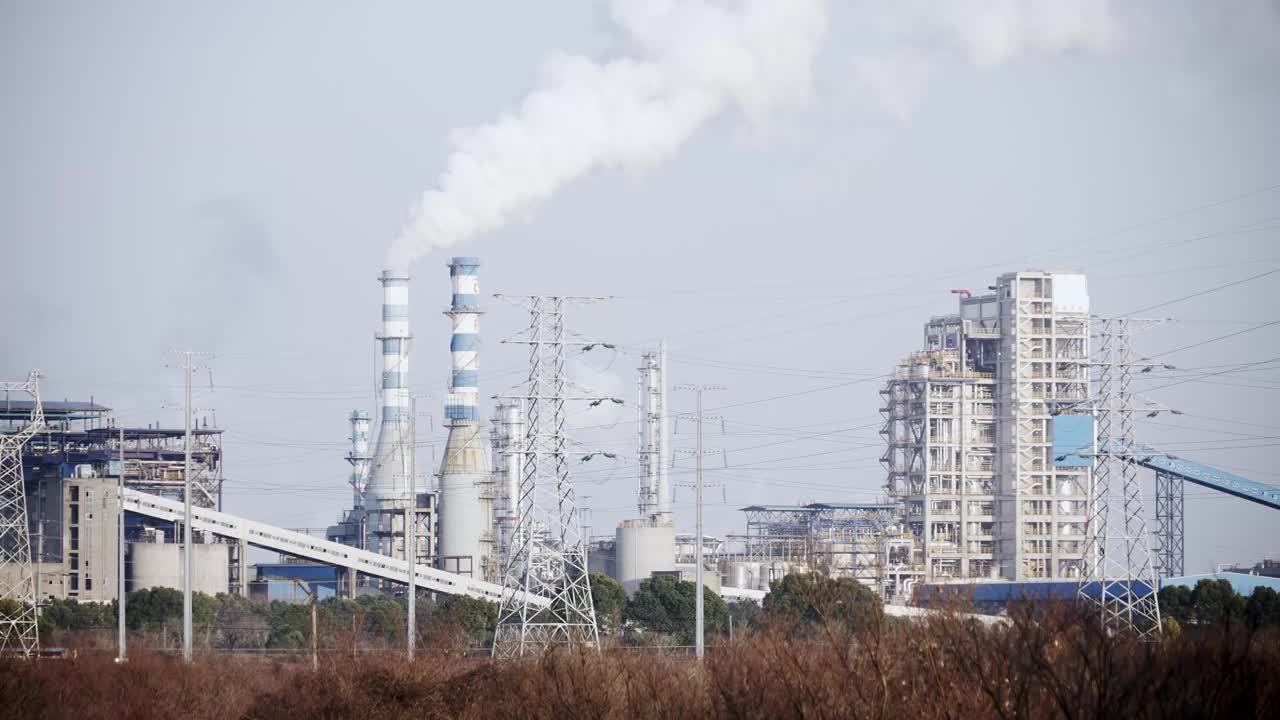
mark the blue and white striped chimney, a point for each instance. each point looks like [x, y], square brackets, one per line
[465, 344]
[388, 483]
[465, 534]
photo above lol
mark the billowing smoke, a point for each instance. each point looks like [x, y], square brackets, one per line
[689, 60]
[924, 34]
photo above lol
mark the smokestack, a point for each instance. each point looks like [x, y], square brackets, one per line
[387, 482]
[464, 345]
[466, 518]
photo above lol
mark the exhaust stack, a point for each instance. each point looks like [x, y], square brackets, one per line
[466, 514]
[387, 492]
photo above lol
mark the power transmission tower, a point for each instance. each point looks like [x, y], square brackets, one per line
[699, 616]
[1119, 576]
[548, 553]
[18, 631]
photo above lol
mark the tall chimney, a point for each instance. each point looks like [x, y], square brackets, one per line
[466, 536]
[388, 484]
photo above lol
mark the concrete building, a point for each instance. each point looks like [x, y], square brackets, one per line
[968, 429]
[71, 475]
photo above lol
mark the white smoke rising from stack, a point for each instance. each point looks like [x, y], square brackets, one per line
[692, 60]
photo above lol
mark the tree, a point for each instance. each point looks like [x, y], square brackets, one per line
[241, 622]
[152, 607]
[477, 618]
[1263, 607]
[1216, 601]
[666, 605]
[812, 599]
[73, 615]
[1175, 603]
[745, 614]
[610, 601]
[384, 617]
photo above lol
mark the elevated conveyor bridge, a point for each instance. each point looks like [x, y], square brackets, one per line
[353, 560]
[1171, 475]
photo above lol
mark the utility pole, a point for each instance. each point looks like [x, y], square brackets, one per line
[408, 458]
[121, 650]
[186, 518]
[700, 628]
[188, 370]
[699, 625]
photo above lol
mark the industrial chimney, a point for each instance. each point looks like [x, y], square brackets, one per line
[386, 494]
[466, 536]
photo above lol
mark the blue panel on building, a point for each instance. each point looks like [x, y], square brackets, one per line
[1072, 440]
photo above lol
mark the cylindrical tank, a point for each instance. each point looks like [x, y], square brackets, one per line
[160, 565]
[642, 548]
[746, 575]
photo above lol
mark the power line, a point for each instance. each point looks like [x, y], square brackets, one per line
[1205, 292]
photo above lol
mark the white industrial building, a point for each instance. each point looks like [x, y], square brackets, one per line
[968, 427]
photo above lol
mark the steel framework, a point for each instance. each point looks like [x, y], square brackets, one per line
[1169, 524]
[18, 631]
[1119, 573]
[654, 497]
[548, 552]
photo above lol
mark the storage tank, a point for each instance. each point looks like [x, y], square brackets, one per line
[160, 565]
[746, 575]
[641, 548]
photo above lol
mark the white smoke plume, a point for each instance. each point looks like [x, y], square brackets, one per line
[691, 60]
[929, 33]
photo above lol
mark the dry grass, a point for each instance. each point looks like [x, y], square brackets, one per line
[1044, 665]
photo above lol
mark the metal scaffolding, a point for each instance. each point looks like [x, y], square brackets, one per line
[548, 552]
[18, 631]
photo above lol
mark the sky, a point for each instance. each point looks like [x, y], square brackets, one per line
[230, 178]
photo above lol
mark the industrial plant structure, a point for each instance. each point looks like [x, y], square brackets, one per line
[71, 478]
[456, 524]
[969, 434]
[645, 545]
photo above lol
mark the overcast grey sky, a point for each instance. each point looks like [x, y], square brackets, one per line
[228, 177]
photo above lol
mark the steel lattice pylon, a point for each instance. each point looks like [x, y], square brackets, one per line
[1169, 524]
[1118, 561]
[547, 557]
[18, 632]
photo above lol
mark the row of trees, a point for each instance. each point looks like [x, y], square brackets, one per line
[1216, 601]
[663, 608]
[231, 621]
[661, 612]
